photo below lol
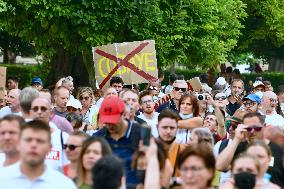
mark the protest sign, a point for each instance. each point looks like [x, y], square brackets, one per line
[2, 81]
[135, 62]
[195, 84]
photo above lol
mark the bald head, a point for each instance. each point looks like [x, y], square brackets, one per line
[41, 109]
[269, 101]
[13, 100]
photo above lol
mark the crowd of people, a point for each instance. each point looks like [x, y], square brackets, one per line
[228, 135]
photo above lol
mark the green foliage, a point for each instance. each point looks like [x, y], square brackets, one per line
[26, 72]
[191, 32]
[276, 78]
[264, 31]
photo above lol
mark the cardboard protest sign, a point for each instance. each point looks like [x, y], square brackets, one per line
[2, 81]
[195, 84]
[135, 62]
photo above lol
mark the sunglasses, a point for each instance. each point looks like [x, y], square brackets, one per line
[178, 89]
[153, 88]
[71, 109]
[70, 146]
[41, 108]
[84, 98]
[254, 128]
[220, 98]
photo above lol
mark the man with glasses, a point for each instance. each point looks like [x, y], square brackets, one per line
[251, 130]
[149, 115]
[179, 88]
[251, 103]
[41, 110]
[269, 103]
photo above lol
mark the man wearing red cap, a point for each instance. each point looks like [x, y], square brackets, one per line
[122, 135]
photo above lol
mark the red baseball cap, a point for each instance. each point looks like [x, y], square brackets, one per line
[111, 109]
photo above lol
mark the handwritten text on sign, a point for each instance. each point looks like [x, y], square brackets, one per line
[134, 62]
[144, 61]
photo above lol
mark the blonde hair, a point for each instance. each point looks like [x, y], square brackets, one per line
[85, 90]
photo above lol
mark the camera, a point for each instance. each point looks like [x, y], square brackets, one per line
[200, 96]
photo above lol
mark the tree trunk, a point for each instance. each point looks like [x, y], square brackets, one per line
[5, 56]
[64, 64]
[89, 64]
[11, 56]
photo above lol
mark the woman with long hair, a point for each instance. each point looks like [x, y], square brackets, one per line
[92, 150]
[188, 109]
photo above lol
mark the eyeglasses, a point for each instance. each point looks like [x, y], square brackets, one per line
[84, 98]
[178, 89]
[70, 146]
[153, 88]
[41, 108]
[147, 101]
[71, 109]
[191, 169]
[221, 98]
[254, 128]
[249, 104]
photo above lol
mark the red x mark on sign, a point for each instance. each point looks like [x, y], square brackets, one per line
[125, 62]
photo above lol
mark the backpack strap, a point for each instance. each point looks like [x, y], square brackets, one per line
[223, 145]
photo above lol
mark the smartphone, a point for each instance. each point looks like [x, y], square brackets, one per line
[146, 134]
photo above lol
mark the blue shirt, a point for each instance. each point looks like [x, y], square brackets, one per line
[123, 149]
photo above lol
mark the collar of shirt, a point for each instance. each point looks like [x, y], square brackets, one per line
[18, 173]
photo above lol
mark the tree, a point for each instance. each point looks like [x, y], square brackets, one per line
[13, 46]
[192, 32]
[263, 34]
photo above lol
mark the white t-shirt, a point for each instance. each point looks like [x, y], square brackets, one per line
[275, 120]
[56, 158]
[152, 123]
[2, 159]
[7, 110]
[182, 136]
[224, 176]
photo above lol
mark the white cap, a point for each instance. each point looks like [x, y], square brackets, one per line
[221, 81]
[257, 83]
[74, 103]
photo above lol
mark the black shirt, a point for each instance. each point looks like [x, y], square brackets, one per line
[231, 108]
[277, 171]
